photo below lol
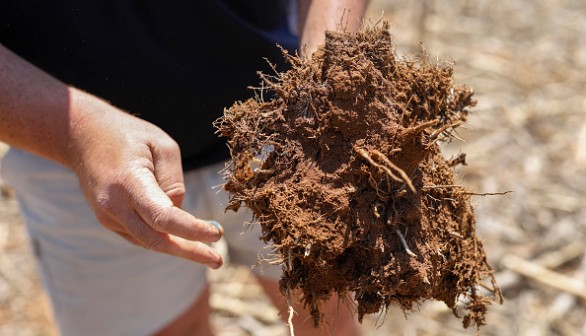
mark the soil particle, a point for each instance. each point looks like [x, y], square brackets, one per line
[342, 169]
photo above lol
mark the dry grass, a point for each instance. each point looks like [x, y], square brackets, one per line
[526, 61]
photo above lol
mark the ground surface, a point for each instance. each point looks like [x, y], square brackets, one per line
[526, 61]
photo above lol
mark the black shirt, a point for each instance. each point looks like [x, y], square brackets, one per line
[174, 63]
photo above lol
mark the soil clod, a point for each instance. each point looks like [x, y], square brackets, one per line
[343, 171]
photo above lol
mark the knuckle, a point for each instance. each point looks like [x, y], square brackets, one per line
[167, 145]
[161, 219]
[176, 190]
[171, 144]
[108, 195]
[156, 244]
[105, 203]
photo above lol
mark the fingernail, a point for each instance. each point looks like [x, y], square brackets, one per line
[218, 228]
[218, 263]
[214, 265]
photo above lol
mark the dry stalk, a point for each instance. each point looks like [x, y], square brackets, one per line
[545, 276]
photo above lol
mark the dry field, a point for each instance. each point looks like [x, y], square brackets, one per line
[526, 61]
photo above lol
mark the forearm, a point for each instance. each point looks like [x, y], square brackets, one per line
[37, 111]
[318, 16]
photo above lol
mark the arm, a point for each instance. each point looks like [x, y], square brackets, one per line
[130, 170]
[317, 16]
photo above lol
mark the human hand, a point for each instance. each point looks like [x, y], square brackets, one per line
[318, 16]
[130, 172]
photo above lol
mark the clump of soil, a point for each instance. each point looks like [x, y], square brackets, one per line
[343, 171]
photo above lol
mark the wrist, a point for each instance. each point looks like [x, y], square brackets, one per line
[85, 128]
[78, 115]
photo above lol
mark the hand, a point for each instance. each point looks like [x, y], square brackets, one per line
[130, 172]
[317, 16]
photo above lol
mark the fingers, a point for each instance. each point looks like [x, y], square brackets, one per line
[170, 219]
[113, 225]
[138, 232]
[179, 223]
[168, 170]
[145, 215]
[195, 251]
[163, 227]
[137, 190]
[128, 237]
[158, 211]
[172, 245]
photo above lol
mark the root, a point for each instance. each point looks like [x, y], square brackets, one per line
[289, 304]
[419, 128]
[317, 165]
[442, 129]
[441, 186]
[404, 242]
[404, 178]
[291, 313]
[401, 172]
[487, 194]
[289, 262]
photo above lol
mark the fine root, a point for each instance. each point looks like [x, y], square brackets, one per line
[404, 242]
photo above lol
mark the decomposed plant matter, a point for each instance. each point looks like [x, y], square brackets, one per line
[343, 171]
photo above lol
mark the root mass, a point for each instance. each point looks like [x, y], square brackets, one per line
[342, 169]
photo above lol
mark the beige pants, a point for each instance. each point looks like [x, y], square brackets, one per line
[98, 283]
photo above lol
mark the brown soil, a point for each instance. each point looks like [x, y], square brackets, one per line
[343, 171]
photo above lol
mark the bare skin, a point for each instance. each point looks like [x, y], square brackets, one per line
[318, 16]
[340, 319]
[130, 170]
[116, 169]
[193, 321]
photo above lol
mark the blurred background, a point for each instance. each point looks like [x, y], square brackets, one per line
[526, 60]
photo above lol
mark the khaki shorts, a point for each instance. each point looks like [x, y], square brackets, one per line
[100, 284]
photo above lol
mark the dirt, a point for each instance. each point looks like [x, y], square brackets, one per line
[343, 170]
